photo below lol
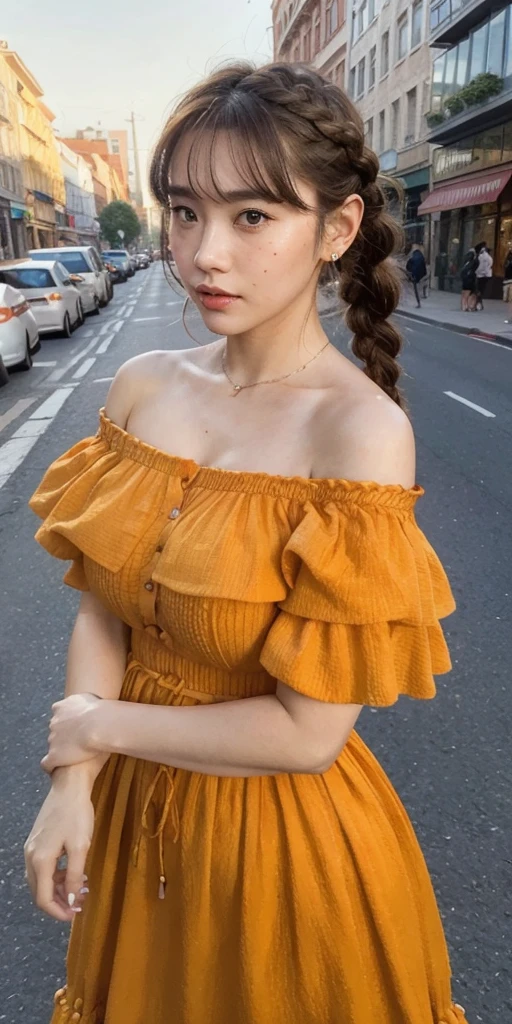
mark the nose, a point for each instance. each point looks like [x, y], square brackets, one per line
[213, 252]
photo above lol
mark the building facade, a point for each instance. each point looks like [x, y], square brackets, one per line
[471, 123]
[312, 31]
[82, 226]
[13, 210]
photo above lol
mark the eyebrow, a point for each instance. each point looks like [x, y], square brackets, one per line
[233, 196]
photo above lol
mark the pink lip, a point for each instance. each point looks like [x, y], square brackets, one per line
[222, 301]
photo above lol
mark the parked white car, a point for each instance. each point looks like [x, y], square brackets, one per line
[53, 298]
[19, 336]
[85, 261]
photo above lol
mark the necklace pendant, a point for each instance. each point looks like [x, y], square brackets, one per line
[236, 390]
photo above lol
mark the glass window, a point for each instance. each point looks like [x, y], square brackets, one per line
[437, 81]
[417, 22]
[74, 262]
[507, 142]
[371, 10]
[450, 86]
[462, 63]
[412, 106]
[369, 132]
[373, 66]
[352, 83]
[382, 131]
[496, 43]
[25, 279]
[402, 32]
[360, 77]
[384, 54]
[395, 124]
[332, 18]
[478, 57]
[507, 71]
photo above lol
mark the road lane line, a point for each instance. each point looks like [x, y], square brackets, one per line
[16, 449]
[143, 319]
[117, 327]
[85, 367]
[100, 380]
[54, 363]
[16, 410]
[58, 374]
[130, 310]
[477, 408]
[104, 345]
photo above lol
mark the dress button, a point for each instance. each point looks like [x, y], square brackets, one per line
[148, 585]
[174, 514]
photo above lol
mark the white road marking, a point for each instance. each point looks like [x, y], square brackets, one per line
[85, 367]
[477, 408]
[16, 449]
[177, 302]
[121, 311]
[37, 363]
[58, 374]
[487, 341]
[100, 380]
[143, 319]
[16, 410]
[100, 351]
[117, 327]
[130, 310]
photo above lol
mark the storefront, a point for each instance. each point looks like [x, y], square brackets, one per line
[465, 211]
[19, 216]
[415, 226]
[41, 228]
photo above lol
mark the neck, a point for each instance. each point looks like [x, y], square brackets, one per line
[275, 348]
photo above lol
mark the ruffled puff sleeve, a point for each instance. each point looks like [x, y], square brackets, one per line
[360, 623]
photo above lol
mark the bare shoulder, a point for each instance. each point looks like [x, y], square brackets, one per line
[138, 378]
[364, 436]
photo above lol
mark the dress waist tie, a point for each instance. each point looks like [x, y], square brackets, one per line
[180, 693]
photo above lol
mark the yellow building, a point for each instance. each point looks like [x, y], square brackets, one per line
[43, 181]
[13, 210]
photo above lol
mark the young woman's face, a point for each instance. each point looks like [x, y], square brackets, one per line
[263, 255]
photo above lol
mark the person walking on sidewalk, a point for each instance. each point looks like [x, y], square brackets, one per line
[468, 281]
[417, 270]
[483, 272]
[507, 284]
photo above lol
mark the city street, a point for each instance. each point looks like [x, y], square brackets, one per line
[449, 759]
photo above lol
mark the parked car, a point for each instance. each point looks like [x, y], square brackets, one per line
[124, 256]
[143, 260]
[134, 262]
[53, 298]
[115, 271]
[84, 260]
[19, 336]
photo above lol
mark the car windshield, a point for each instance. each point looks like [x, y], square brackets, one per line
[24, 279]
[74, 262]
[117, 253]
[116, 259]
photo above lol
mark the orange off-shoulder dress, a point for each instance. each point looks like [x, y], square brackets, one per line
[286, 899]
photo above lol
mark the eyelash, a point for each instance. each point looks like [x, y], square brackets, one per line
[251, 227]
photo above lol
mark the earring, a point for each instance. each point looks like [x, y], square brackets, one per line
[335, 256]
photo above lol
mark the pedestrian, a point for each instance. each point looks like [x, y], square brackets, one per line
[241, 602]
[416, 269]
[507, 284]
[441, 268]
[468, 282]
[483, 272]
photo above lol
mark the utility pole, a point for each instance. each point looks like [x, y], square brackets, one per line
[138, 184]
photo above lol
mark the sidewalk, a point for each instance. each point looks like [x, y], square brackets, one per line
[443, 309]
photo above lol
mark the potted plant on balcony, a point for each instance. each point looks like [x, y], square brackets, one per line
[434, 117]
[481, 88]
[454, 104]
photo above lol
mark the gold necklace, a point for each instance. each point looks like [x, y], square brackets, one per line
[237, 388]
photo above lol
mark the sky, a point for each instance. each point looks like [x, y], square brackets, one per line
[97, 61]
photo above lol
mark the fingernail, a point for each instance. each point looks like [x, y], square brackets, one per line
[71, 899]
[84, 878]
[83, 890]
[76, 910]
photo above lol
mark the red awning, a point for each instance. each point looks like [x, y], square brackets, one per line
[470, 191]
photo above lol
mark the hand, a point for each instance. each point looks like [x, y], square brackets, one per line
[71, 732]
[64, 825]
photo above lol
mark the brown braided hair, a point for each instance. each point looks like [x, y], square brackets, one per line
[285, 123]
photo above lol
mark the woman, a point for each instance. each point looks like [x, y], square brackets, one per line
[483, 272]
[252, 575]
[468, 281]
[507, 284]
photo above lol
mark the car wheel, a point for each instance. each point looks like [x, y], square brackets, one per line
[26, 363]
[80, 317]
[103, 302]
[37, 346]
[96, 310]
[66, 327]
[4, 376]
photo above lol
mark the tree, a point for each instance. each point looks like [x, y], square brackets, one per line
[119, 216]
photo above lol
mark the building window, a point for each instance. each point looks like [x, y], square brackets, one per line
[362, 18]
[478, 50]
[360, 77]
[115, 145]
[306, 45]
[352, 83]
[369, 132]
[372, 67]
[371, 11]
[4, 105]
[339, 74]
[496, 40]
[332, 18]
[317, 31]
[412, 104]
[384, 55]
[417, 22]
[402, 31]
[382, 131]
[395, 124]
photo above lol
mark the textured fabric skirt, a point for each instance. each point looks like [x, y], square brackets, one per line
[288, 899]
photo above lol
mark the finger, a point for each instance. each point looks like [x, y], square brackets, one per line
[47, 764]
[75, 872]
[45, 896]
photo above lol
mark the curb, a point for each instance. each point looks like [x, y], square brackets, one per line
[470, 332]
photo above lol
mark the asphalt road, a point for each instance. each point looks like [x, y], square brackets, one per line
[449, 759]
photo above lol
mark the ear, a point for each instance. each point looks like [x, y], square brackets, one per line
[341, 227]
